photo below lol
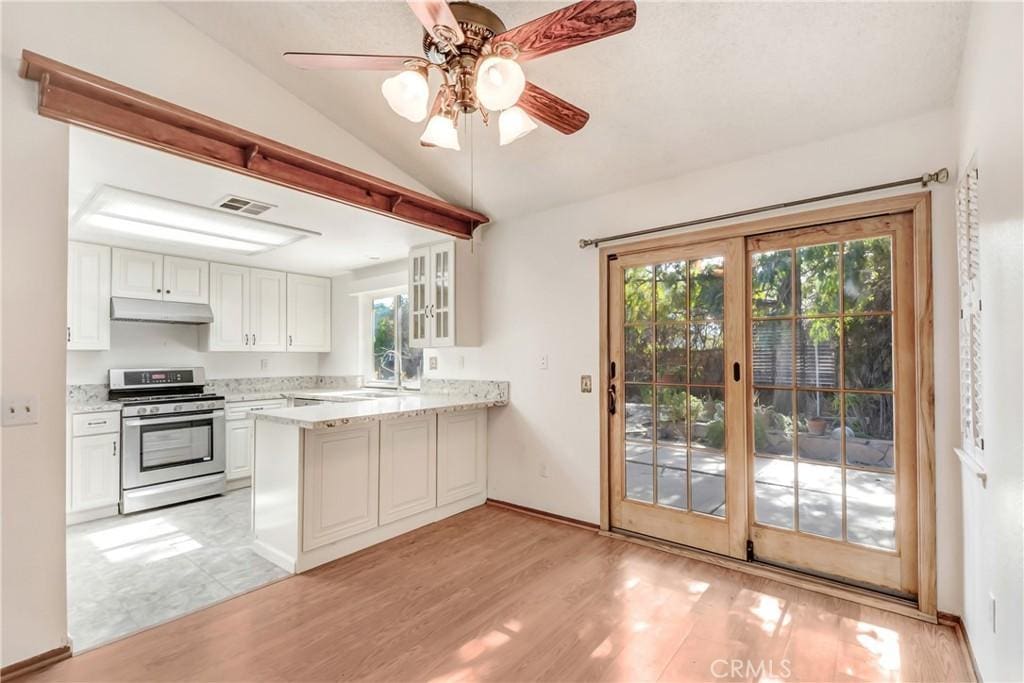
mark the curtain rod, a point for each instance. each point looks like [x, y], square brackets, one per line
[940, 176]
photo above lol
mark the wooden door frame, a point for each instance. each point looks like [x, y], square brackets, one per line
[919, 205]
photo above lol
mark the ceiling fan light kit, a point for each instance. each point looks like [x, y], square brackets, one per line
[514, 123]
[408, 94]
[480, 63]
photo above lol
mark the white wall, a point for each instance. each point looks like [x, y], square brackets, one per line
[145, 46]
[540, 296]
[134, 345]
[350, 316]
[989, 120]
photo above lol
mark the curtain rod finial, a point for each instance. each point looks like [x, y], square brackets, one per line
[940, 176]
[586, 243]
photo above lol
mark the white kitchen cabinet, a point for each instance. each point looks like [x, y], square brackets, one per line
[340, 490]
[268, 306]
[461, 455]
[443, 299]
[95, 471]
[309, 313]
[137, 274]
[229, 300]
[240, 443]
[240, 436]
[88, 297]
[186, 280]
[142, 275]
[408, 467]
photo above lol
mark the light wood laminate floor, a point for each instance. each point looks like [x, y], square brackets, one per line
[493, 594]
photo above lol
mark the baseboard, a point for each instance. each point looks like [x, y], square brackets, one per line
[82, 516]
[240, 483]
[957, 624]
[40, 661]
[543, 514]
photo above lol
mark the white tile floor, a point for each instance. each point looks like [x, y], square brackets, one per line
[130, 572]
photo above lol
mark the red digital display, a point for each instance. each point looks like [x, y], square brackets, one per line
[158, 375]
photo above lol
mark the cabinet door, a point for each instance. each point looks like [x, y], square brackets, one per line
[95, 471]
[442, 297]
[240, 446]
[229, 299]
[309, 313]
[461, 455]
[408, 467]
[88, 296]
[186, 280]
[137, 274]
[419, 332]
[267, 310]
[340, 478]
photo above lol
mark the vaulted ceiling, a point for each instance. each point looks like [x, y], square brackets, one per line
[693, 85]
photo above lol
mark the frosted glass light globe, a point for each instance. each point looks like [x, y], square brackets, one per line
[513, 124]
[499, 82]
[408, 94]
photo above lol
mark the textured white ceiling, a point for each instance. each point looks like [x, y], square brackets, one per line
[691, 86]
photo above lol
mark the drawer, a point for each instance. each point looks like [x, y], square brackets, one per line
[240, 410]
[86, 424]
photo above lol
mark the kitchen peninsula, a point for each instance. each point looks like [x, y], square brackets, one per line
[348, 471]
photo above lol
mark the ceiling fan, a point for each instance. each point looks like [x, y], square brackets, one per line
[479, 62]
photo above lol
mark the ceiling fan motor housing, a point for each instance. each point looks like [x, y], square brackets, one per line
[479, 25]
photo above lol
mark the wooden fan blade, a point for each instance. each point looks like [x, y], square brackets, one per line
[328, 60]
[552, 110]
[436, 16]
[569, 27]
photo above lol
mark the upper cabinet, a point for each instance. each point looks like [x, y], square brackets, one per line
[229, 300]
[309, 313]
[250, 310]
[88, 297]
[268, 301]
[186, 280]
[138, 275]
[443, 295]
[142, 275]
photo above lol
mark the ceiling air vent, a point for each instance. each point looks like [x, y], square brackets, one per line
[249, 207]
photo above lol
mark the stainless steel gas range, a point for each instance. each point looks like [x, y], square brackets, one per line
[172, 437]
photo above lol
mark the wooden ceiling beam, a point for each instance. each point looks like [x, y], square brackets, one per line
[73, 96]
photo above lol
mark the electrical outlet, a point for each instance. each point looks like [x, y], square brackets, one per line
[264, 363]
[586, 386]
[21, 409]
[432, 363]
[992, 610]
[544, 470]
[544, 362]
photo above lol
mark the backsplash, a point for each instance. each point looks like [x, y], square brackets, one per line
[476, 388]
[258, 385]
[86, 394]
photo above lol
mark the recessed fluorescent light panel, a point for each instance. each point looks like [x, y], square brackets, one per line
[145, 216]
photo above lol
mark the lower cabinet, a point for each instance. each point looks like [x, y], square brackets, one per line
[240, 436]
[461, 455]
[240, 445]
[408, 467]
[95, 471]
[340, 483]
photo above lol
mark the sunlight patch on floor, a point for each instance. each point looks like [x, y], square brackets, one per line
[131, 533]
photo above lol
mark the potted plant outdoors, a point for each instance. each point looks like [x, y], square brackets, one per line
[817, 425]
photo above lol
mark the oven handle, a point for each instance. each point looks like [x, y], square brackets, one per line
[138, 422]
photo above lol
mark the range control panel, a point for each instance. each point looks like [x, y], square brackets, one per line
[142, 378]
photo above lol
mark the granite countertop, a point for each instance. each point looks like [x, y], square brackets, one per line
[331, 414]
[98, 406]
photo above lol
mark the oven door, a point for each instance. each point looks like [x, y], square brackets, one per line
[163, 448]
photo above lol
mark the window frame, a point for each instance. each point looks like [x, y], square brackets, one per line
[370, 379]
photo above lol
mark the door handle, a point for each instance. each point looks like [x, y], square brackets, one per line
[612, 399]
[736, 372]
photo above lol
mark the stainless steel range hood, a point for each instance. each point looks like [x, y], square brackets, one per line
[147, 311]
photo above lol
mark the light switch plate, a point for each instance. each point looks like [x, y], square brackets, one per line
[21, 409]
[432, 363]
[586, 384]
[544, 362]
